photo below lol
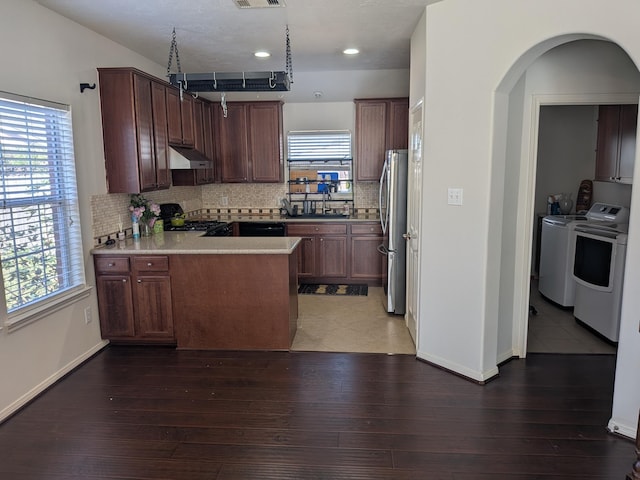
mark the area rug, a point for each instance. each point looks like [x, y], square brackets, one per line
[324, 289]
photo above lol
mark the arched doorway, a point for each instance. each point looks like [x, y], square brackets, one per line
[517, 175]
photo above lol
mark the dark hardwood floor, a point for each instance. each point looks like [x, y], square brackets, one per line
[158, 413]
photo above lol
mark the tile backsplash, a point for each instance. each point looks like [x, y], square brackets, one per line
[110, 209]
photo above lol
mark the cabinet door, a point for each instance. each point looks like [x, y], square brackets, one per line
[198, 131]
[161, 142]
[154, 316]
[307, 257]
[608, 142]
[366, 261]
[174, 117]
[144, 132]
[208, 174]
[628, 127]
[232, 144]
[398, 135]
[115, 305]
[187, 117]
[371, 144]
[264, 122]
[332, 256]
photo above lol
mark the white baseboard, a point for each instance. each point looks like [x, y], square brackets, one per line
[41, 387]
[619, 428]
[504, 356]
[459, 369]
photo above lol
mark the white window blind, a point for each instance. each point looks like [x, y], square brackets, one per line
[40, 241]
[319, 145]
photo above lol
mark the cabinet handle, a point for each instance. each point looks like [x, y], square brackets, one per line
[139, 281]
[111, 264]
[124, 280]
[149, 264]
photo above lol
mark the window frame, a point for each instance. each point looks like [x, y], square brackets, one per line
[37, 160]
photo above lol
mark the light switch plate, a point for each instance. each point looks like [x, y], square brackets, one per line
[454, 196]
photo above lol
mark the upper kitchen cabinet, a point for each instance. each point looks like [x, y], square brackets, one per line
[180, 117]
[134, 126]
[616, 148]
[249, 142]
[381, 124]
[203, 143]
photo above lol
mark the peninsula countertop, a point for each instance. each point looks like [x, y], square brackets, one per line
[170, 243]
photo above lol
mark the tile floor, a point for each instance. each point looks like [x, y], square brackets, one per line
[341, 323]
[555, 330]
[328, 323]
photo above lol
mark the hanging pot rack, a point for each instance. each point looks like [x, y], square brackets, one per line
[273, 81]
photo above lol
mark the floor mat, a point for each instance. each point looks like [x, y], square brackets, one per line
[325, 289]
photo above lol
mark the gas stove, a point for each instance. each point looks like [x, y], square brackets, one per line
[212, 228]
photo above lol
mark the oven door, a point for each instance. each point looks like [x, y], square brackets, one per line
[595, 259]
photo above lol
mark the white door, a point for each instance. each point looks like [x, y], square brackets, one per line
[414, 200]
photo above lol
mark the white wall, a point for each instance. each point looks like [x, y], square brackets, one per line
[50, 63]
[476, 51]
[566, 150]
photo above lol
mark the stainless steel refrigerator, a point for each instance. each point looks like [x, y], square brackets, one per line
[393, 217]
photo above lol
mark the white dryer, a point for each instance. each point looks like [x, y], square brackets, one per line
[557, 247]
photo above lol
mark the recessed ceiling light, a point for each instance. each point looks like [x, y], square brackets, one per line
[351, 51]
[262, 54]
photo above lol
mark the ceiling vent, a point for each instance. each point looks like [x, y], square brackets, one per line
[259, 3]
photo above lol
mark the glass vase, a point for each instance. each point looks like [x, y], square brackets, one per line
[145, 229]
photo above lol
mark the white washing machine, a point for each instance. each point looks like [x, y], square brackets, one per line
[557, 245]
[555, 278]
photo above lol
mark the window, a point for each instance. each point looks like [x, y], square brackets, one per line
[319, 145]
[40, 242]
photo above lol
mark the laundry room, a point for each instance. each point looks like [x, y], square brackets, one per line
[583, 190]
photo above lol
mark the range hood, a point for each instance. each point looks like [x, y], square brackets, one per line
[187, 159]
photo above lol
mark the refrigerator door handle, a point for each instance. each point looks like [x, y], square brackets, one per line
[384, 212]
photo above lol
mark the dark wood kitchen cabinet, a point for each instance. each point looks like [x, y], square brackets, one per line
[337, 252]
[134, 298]
[322, 253]
[616, 147]
[204, 143]
[381, 124]
[180, 118]
[250, 142]
[134, 126]
[366, 261]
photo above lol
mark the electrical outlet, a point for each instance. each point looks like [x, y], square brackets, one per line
[224, 201]
[87, 315]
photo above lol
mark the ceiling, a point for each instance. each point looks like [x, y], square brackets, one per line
[216, 35]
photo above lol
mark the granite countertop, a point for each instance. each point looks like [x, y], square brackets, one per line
[169, 243]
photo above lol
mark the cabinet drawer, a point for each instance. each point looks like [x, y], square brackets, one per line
[109, 264]
[317, 229]
[366, 229]
[155, 263]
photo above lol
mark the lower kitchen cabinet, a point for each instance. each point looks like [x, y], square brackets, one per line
[366, 261]
[134, 298]
[323, 250]
[338, 252]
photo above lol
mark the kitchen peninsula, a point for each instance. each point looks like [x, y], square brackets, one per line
[195, 292]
